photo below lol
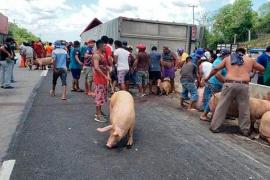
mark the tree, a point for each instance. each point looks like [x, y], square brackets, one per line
[264, 9]
[236, 18]
[20, 34]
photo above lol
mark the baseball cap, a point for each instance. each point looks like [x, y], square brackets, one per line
[224, 52]
[57, 44]
[180, 50]
[141, 46]
[90, 40]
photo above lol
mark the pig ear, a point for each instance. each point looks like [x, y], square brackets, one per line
[104, 129]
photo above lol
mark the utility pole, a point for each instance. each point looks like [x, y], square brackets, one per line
[193, 12]
[234, 41]
[249, 35]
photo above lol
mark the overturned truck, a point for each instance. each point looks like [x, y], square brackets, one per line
[151, 33]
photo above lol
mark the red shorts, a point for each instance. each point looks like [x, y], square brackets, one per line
[101, 92]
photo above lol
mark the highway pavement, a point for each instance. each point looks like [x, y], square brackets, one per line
[58, 141]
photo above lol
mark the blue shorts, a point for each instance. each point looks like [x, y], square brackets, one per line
[189, 87]
[76, 73]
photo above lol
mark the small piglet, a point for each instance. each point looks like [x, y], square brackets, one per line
[122, 119]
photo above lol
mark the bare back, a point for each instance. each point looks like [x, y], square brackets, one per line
[239, 72]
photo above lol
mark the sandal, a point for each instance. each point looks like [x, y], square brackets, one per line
[204, 119]
[74, 90]
[63, 98]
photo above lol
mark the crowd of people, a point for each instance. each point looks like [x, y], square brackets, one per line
[108, 65]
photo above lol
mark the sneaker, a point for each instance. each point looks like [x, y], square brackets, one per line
[101, 119]
[102, 114]
[8, 87]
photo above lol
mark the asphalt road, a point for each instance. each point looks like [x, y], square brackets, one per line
[59, 140]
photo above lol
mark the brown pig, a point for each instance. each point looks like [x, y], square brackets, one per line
[165, 86]
[265, 126]
[257, 107]
[122, 119]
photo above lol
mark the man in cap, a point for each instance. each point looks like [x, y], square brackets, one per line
[236, 88]
[182, 56]
[59, 55]
[141, 65]
[214, 84]
[88, 66]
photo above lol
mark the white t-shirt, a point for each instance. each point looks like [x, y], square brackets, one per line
[122, 63]
[206, 68]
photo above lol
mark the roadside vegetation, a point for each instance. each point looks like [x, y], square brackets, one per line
[235, 21]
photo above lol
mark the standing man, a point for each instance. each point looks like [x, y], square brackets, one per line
[188, 76]
[59, 55]
[49, 49]
[214, 84]
[182, 56]
[108, 50]
[76, 66]
[155, 69]
[29, 56]
[263, 60]
[6, 64]
[168, 65]
[101, 79]
[236, 87]
[141, 65]
[121, 57]
[88, 67]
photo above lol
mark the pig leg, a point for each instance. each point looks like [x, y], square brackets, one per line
[104, 129]
[130, 137]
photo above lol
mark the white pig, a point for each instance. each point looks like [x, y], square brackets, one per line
[258, 108]
[122, 119]
[265, 126]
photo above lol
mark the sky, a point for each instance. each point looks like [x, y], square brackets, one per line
[66, 19]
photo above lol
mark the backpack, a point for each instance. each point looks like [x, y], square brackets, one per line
[266, 76]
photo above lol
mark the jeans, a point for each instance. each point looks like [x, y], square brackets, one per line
[189, 87]
[208, 92]
[6, 69]
[12, 71]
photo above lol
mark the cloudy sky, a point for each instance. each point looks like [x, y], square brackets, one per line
[65, 19]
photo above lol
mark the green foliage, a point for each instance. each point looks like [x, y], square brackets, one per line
[20, 34]
[237, 18]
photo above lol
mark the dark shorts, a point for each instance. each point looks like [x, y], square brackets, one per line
[62, 73]
[154, 75]
[76, 73]
[114, 75]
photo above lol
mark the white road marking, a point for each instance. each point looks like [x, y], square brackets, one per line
[6, 169]
[44, 73]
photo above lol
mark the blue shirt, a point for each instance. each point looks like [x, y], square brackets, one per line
[73, 63]
[155, 61]
[88, 62]
[263, 59]
[83, 50]
[223, 72]
[60, 57]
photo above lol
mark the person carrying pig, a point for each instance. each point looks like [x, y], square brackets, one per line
[101, 79]
[235, 88]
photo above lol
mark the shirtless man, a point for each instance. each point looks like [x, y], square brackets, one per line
[239, 66]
